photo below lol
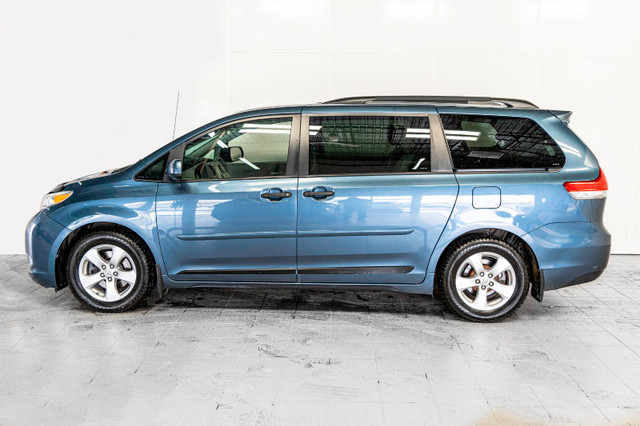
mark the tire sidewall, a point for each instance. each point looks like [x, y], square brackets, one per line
[136, 255]
[521, 279]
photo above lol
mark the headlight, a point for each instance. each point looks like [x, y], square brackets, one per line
[54, 198]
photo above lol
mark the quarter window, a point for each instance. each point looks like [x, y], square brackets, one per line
[486, 142]
[366, 144]
[250, 149]
[155, 171]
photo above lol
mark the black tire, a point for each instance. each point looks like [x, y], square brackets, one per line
[456, 258]
[142, 260]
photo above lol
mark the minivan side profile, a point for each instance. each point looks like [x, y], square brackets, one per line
[481, 200]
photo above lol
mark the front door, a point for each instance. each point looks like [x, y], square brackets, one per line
[370, 207]
[232, 217]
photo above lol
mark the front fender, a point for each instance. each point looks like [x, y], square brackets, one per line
[130, 206]
[147, 234]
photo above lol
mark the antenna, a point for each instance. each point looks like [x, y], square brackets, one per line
[175, 118]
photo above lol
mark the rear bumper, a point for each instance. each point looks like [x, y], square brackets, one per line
[570, 253]
[43, 237]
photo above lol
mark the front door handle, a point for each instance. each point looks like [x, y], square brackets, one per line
[275, 194]
[319, 193]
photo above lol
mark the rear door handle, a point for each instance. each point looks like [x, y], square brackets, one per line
[319, 193]
[275, 194]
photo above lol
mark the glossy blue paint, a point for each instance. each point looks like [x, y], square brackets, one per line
[224, 233]
[220, 227]
[43, 237]
[381, 209]
[486, 197]
[568, 251]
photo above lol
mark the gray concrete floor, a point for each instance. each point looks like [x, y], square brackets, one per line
[312, 357]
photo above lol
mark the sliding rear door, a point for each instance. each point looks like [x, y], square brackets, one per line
[370, 205]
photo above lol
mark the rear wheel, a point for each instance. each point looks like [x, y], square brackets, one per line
[485, 280]
[109, 272]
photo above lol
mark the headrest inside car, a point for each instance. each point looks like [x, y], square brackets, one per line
[231, 154]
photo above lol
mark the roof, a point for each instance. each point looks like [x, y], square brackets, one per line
[397, 102]
[437, 100]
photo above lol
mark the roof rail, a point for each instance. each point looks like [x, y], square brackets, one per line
[466, 100]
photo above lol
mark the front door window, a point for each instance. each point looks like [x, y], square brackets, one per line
[253, 149]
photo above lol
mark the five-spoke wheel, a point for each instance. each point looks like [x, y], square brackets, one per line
[109, 271]
[484, 279]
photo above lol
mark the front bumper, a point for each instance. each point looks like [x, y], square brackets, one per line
[43, 238]
[570, 253]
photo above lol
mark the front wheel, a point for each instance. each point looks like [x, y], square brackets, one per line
[485, 280]
[109, 272]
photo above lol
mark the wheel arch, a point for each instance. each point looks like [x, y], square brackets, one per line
[78, 233]
[502, 235]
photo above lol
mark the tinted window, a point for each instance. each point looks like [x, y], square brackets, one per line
[482, 142]
[245, 150]
[155, 171]
[345, 145]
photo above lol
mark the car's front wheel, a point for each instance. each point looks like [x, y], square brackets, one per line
[109, 272]
[485, 279]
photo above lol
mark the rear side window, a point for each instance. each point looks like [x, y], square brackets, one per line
[367, 144]
[486, 142]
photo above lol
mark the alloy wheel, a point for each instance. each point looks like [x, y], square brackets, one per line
[485, 281]
[107, 273]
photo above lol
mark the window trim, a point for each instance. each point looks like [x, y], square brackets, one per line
[511, 170]
[504, 170]
[440, 157]
[292, 153]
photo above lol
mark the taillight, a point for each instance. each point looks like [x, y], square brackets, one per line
[590, 189]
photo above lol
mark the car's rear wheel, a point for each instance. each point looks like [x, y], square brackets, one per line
[485, 280]
[109, 272]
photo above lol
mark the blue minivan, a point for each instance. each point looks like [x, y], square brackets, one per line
[475, 199]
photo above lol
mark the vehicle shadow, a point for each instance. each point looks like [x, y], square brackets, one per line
[296, 300]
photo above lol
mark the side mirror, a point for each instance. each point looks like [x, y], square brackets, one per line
[174, 170]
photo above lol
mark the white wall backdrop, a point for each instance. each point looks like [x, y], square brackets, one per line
[88, 85]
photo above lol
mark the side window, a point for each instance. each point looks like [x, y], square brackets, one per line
[155, 171]
[492, 142]
[363, 144]
[250, 149]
